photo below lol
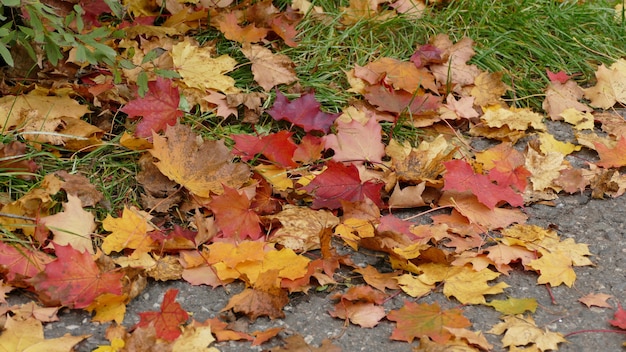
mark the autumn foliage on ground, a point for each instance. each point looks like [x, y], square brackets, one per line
[272, 209]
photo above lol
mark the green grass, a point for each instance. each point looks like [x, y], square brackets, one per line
[519, 38]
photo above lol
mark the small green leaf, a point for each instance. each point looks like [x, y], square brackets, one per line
[6, 55]
[10, 3]
[152, 54]
[142, 83]
[166, 73]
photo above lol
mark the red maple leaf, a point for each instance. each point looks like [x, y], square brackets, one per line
[22, 262]
[304, 112]
[167, 321]
[619, 319]
[74, 279]
[339, 182]
[309, 150]
[392, 223]
[460, 177]
[234, 216]
[560, 76]
[400, 101]
[159, 108]
[93, 9]
[277, 147]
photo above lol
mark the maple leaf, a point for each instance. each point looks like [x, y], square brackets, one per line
[278, 147]
[21, 262]
[287, 31]
[610, 87]
[199, 70]
[303, 111]
[234, 216]
[477, 213]
[74, 279]
[470, 286]
[488, 88]
[360, 305]
[619, 318]
[399, 101]
[521, 331]
[269, 69]
[512, 306]
[596, 299]
[300, 227]
[73, 225]
[200, 166]
[401, 75]
[461, 177]
[563, 96]
[159, 108]
[129, 231]
[356, 142]
[612, 157]
[228, 24]
[27, 335]
[555, 268]
[166, 322]
[454, 69]
[378, 280]
[266, 298]
[415, 320]
[560, 76]
[341, 183]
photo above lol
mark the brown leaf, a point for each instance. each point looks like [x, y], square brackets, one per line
[269, 69]
[203, 167]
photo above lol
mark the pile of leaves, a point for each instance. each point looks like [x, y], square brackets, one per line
[270, 208]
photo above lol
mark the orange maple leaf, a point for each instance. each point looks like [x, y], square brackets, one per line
[166, 322]
[234, 216]
[612, 157]
[415, 320]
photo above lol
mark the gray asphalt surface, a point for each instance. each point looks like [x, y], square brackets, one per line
[599, 223]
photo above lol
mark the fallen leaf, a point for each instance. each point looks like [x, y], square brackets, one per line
[521, 331]
[356, 143]
[167, 321]
[74, 279]
[415, 320]
[234, 216]
[27, 335]
[73, 226]
[513, 306]
[129, 231]
[619, 318]
[269, 69]
[304, 112]
[199, 70]
[159, 108]
[200, 166]
[596, 299]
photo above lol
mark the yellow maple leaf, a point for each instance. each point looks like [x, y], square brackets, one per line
[277, 176]
[73, 225]
[580, 120]
[27, 335]
[521, 331]
[555, 268]
[413, 286]
[470, 287]
[551, 144]
[352, 230]
[203, 167]
[610, 87]
[108, 307]
[515, 119]
[514, 306]
[199, 70]
[129, 231]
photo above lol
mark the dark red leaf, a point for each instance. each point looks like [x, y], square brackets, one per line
[426, 54]
[304, 112]
[159, 108]
[399, 101]
[339, 182]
